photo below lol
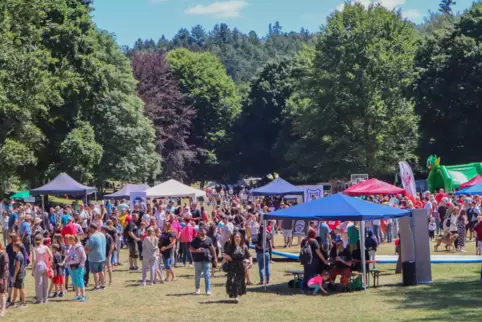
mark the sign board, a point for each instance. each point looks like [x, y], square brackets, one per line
[135, 198]
[30, 199]
[301, 227]
[313, 192]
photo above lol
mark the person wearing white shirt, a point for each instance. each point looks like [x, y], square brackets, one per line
[160, 217]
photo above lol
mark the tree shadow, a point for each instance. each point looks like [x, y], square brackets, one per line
[457, 299]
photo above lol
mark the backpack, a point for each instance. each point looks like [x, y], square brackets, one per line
[306, 255]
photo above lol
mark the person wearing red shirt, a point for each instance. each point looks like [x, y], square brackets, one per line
[441, 194]
[478, 230]
[333, 224]
[70, 228]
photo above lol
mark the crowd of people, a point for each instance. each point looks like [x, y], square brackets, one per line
[65, 245]
[68, 245]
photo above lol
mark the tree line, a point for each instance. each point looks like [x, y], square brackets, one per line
[369, 89]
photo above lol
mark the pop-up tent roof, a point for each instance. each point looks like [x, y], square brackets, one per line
[173, 188]
[373, 187]
[21, 195]
[338, 207]
[126, 190]
[63, 184]
[474, 190]
[476, 180]
[278, 187]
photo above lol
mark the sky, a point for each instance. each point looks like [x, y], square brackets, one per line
[133, 19]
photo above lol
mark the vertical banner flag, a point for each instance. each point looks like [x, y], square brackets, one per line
[408, 181]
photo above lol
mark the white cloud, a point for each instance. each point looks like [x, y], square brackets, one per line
[226, 9]
[411, 14]
[157, 1]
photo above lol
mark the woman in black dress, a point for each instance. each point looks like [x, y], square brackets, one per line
[237, 254]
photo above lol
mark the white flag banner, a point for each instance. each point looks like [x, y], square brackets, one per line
[408, 180]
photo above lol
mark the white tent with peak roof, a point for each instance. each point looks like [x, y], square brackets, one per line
[173, 188]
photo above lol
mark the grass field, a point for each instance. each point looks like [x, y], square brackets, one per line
[456, 295]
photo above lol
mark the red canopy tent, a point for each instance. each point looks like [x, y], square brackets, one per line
[373, 187]
[473, 182]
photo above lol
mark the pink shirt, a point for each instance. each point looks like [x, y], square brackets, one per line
[317, 280]
[187, 234]
[176, 227]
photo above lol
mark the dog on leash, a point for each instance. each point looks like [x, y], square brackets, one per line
[448, 239]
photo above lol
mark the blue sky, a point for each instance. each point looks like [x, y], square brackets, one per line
[132, 19]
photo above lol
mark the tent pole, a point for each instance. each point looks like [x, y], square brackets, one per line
[264, 253]
[43, 206]
[362, 252]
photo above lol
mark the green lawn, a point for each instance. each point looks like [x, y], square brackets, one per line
[456, 295]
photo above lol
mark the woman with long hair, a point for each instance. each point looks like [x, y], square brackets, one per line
[461, 224]
[239, 259]
[41, 262]
[149, 255]
[75, 262]
[166, 245]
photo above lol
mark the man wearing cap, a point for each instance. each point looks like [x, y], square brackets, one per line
[341, 258]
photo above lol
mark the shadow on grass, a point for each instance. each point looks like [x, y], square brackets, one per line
[457, 299]
[182, 294]
[219, 302]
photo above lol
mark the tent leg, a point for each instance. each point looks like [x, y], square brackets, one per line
[362, 252]
[264, 253]
[43, 205]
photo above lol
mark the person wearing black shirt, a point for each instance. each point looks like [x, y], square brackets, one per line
[341, 258]
[203, 253]
[263, 257]
[196, 213]
[318, 261]
[166, 247]
[131, 235]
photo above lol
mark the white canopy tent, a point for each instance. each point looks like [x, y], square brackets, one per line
[173, 188]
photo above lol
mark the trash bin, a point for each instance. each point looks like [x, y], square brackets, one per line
[409, 274]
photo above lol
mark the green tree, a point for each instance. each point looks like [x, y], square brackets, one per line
[445, 6]
[263, 117]
[212, 94]
[359, 119]
[80, 152]
[448, 89]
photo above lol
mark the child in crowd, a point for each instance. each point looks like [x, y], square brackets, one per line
[59, 271]
[316, 283]
[371, 245]
[431, 228]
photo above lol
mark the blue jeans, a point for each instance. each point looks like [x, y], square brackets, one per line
[377, 233]
[205, 269]
[186, 253]
[389, 232]
[259, 259]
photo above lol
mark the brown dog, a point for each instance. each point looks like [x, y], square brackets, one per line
[448, 239]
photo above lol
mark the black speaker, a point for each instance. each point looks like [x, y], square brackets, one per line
[409, 274]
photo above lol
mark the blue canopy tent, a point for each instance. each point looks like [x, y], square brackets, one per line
[474, 190]
[277, 187]
[126, 190]
[339, 207]
[63, 184]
